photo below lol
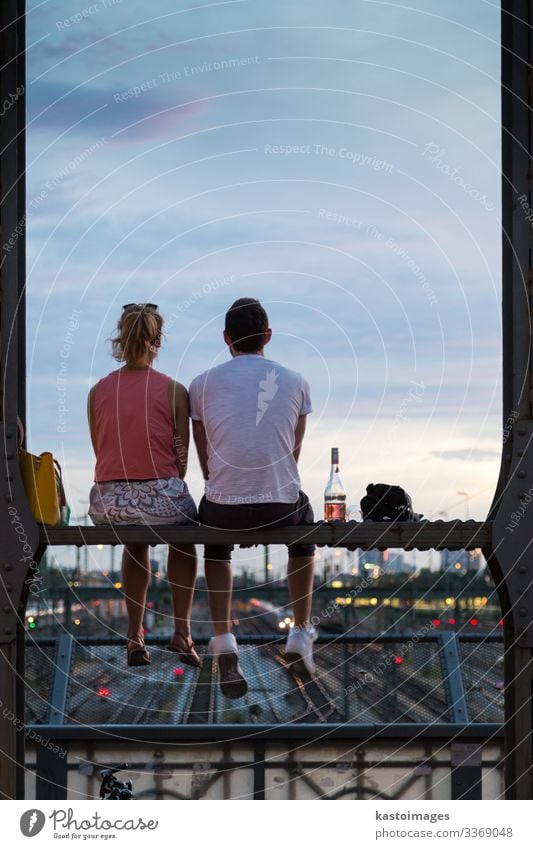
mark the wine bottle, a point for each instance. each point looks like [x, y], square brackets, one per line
[335, 494]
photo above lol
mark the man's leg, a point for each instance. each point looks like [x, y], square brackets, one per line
[300, 580]
[302, 635]
[223, 645]
[219, 578]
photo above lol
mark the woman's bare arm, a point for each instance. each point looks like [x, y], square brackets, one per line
[90, 417]
[179, 405]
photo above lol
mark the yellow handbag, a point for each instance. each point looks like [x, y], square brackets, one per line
[43, 482]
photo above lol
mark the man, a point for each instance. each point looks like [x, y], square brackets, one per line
[249, 416]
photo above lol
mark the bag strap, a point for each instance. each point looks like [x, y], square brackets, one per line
[20, 433]
[62, 498]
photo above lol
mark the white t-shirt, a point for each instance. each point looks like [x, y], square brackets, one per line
[250, 407]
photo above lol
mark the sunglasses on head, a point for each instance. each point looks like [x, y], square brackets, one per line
[128, 307]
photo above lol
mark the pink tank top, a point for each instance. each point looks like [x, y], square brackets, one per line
[134, 428]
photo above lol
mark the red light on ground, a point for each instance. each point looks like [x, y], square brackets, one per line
[150, 605]
[500, 623]
[398, 660]
[103, 692]
[145, 631]
[436, 623]
[452, 621]
[178, 671]
[474, 622]
[96, 603]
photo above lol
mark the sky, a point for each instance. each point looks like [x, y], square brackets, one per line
[340, 161]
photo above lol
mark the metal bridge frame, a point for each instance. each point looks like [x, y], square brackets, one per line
[507, 553]
[454, 731]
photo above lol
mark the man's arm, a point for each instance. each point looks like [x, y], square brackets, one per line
[200, 440]
[299, 436]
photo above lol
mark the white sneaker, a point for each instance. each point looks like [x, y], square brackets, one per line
[299, 649]
[226, 652]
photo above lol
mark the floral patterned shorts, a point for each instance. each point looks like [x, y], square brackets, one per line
[164, 501]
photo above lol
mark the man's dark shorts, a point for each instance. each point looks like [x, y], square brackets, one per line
[256, 516]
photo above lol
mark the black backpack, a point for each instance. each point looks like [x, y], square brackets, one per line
[384, 502]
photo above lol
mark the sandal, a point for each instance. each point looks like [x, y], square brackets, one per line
[137, 652]
[185, 649]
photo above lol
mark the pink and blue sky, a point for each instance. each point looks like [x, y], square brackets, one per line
[339, 161]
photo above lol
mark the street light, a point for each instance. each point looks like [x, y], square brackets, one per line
[466, 497]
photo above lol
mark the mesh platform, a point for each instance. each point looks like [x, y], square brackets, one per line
[362, 681]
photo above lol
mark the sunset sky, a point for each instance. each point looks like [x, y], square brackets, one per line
[340, 161]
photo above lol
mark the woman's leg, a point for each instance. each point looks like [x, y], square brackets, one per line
[135, 580]
[181, 570]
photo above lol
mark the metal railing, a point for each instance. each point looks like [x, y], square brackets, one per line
[456, 729]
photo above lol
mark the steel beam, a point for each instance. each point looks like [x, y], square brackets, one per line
[510, 556]
[18, 531]
[323, 732]
[453, 677]
[58, 699]
[365, 535]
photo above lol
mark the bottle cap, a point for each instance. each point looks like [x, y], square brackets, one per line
[334, 456]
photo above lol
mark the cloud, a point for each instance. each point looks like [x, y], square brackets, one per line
[94, 113]
[470, 455]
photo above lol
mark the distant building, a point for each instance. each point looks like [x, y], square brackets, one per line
[370, 559]
[469, 561]
[397, 563]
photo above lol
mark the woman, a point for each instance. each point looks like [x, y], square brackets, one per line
[139, 424]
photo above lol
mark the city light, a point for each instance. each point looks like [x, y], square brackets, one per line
[178, 671]
[103, 692]
[100, 547]
[117, 585]
[398, 660]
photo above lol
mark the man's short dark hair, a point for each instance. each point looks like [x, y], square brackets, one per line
[246, 325]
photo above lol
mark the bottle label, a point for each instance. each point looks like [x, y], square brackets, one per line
[335, 511]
